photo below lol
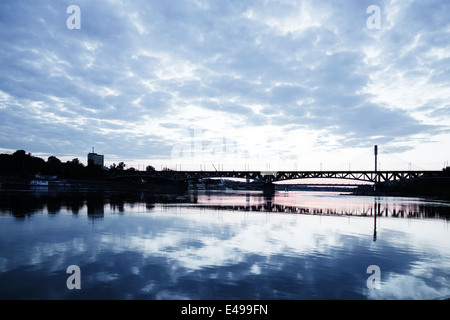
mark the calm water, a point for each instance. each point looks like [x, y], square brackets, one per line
[222, 245]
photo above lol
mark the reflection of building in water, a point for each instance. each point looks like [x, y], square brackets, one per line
[95, 209]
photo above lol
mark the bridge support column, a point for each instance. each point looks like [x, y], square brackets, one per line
[268, 188]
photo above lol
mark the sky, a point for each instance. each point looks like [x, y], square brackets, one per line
[233, 85]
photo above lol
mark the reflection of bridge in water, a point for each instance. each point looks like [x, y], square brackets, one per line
[280, 204]
[274, 204]
[377, 209]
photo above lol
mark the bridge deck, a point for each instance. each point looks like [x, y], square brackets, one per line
[274, 176]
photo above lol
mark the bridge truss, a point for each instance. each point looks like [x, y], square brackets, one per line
[275, 176]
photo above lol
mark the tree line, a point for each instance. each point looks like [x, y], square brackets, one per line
[25, 165]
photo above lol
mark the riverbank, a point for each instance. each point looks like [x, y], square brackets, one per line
[16, 183]
[428, 188]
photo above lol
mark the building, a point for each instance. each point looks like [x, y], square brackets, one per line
[94, 158]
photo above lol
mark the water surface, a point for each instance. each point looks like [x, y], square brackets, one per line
[222, 245]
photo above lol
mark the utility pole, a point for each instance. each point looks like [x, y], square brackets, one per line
[375, 150]
[376, 156]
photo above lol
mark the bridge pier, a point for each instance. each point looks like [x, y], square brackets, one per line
[376, 186]
[268, 188]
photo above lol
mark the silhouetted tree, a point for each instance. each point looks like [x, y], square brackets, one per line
[36, 165]
[18, 160]
[54, 166]
[149, 169]
[121, 166]
[24, 165]
[94, 171]
[74, 169]
[6, 164]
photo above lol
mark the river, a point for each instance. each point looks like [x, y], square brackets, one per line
[222, 245]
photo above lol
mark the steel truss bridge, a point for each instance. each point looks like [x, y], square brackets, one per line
[269, 177]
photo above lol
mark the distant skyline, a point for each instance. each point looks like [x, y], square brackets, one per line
[238, 84]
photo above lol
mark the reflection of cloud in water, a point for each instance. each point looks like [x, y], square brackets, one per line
[245, 235]
[180, 253]
[410, 287]
[258, 244]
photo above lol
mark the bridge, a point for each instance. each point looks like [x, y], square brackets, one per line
[269, 177]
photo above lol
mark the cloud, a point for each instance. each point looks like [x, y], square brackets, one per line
[312, 65]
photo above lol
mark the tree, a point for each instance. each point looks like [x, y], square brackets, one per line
[25, 165]
[6, 164]
[19, 154]
[74, 168]
[54, 166]
[149, 169]
[121, 166]
[19, 160]
[76, 162]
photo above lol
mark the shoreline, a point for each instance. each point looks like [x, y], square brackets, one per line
[70, 185]
[428, 189]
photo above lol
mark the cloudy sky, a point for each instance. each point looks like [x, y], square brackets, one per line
[239, 84]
